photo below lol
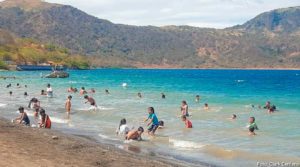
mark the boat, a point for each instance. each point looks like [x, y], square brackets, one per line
[37, 67]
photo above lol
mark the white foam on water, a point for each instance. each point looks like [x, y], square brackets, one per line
[124, 84]
[106, 137]
[183, 144]
[58, 120]
[2, 105]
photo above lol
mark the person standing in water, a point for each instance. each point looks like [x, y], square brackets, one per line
[197, 98]
[184, 108]
[91, 101]
[49, 91]
[152, 120]
[68, 105]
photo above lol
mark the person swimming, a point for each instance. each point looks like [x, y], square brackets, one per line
[107, 92]
[71, 89]
[252, 126]
[206, 106]
[197, 98]
[43, 92]
[184, 108]
[25, 94]
[233, 116]
[92, 90]
[10, 93]
[139, 95]
[123, 128]
[163, 96]
[268, 105]
[23, 118]
[82, 91]
[135, 134]
[188, 123]
[18, 85]
[152, 121]
[45, 120]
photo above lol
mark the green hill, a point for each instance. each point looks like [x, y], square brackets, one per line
[271, 40]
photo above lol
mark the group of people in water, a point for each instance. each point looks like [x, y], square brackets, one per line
[130, 134]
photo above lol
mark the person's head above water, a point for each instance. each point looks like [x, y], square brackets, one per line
[150, 110]
[122, 122]
[251, 120]
[69, 97]
[183, 117]
[25, 94]
[48, 85]
[141, 129]
[183, 102]
[86, 96]
[233, 116]
[10, 92]
[82, 88]
[21, 109]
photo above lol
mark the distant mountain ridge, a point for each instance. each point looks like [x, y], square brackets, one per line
[270, 40]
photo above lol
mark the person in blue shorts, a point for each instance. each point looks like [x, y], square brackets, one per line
[152, 120]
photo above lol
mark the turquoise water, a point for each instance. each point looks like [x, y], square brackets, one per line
[214, 140]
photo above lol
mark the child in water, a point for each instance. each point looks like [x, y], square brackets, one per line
[188, 123]
[23, 118]
[68, 104]
[82, 91]
[184, 108]
[252, 126]
[153, 121]
[49, 91]
[206, 106]
[45, 120]
[135, 134]
[123, 127]
[197, 99]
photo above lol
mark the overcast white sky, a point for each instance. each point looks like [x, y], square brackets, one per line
[200, 13]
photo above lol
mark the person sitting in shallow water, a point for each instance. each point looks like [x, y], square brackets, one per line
[206, 106]
[43, 93]
[135, 134]
[123, 127]
[23, 118]
[188, 123]
[252, 126]
[45, 120]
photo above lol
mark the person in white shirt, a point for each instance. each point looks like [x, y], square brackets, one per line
[123, 128]
[49, 91]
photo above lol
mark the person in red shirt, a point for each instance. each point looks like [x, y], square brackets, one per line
[45, 121]
[188, 123]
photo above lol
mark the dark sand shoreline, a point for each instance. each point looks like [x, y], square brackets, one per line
[25, 146]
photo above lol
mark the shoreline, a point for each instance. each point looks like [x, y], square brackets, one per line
[33, 147]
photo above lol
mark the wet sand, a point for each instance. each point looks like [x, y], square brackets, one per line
[34, 147]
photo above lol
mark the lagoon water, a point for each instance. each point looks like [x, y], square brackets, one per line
[214, 140]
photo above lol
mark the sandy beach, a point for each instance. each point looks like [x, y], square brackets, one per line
[24, 146]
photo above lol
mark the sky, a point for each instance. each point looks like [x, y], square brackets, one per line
[199, 13]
